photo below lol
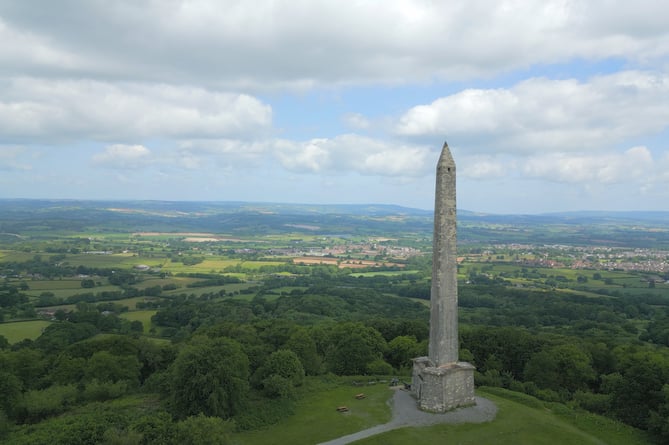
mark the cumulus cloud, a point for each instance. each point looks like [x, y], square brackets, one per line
[301, 44]
[338, 155]
[25, 49]
[62, 109]
[196, 153]
[633, 165]
[544, 114]
[121, 156]
[483, 167]
[355, 153]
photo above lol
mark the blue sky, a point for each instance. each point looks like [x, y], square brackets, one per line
[546, 105]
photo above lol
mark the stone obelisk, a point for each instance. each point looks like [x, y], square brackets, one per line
[443, 347]
[440, 381]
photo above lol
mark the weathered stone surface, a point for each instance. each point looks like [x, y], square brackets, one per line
[443, 388]
[443, 347]
[440, 382]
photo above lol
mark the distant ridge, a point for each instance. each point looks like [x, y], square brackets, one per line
[355, 209]
[230, 206]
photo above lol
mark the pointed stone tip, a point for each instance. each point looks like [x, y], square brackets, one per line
[446, 157]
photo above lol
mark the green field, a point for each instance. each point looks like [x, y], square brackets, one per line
[215, 264]
[16, 331]
[66, 288]
[143, 316]
[390, 273]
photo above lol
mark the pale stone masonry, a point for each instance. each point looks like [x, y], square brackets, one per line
[440, 382]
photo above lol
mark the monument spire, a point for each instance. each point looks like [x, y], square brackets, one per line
[443, 346]
[439, 381]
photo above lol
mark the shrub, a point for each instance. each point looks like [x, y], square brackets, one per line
[100, 391]
[379, 367]
[37, 405]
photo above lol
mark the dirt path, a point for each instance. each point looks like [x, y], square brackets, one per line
[406, 413]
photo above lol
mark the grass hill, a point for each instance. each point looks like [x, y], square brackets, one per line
[521, 419]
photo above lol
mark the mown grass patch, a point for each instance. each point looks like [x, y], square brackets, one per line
[16, 331]
[107, 261]
[521, 419]
[64, 292]
[316, 418]
[143, 316]
[207, 266]
[52, 285]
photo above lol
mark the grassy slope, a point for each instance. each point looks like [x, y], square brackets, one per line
[317, 420]
[16, 331]
[521, 419]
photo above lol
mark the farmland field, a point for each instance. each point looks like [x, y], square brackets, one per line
[20, 330]
[143, 316]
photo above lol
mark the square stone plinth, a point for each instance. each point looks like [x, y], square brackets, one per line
[442, 388]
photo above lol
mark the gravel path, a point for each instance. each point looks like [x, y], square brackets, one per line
[406, 413]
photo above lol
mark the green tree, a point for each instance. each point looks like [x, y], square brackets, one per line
[562, 367]
[658, 423]
[156, 428]
[106, 367]
[301, 343]
[27, 364]
[136, 326]
[203, 430]
[510, 345]
[349, 347]
[209, 376]
[36, 405]
[351, 355]
[379, 367]
[639, 390]
[401, 350]
[284, 363]
[59, 335]
[10, 391]
[68, 369]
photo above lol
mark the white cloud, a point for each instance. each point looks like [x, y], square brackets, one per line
[354, 153]
[541, 114]
[121, 156]
[223, 153]
[303, 44]
[63, 109]
[634, 165]
[25, 49]
[311, 156]
[482, 167]
[339, 155]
